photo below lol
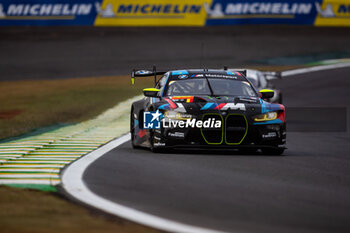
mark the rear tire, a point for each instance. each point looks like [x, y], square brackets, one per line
[272, 151]
[132, 130]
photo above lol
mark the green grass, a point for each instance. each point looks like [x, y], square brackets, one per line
[28, 105]
[29, 211]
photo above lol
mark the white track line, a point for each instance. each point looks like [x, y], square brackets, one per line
[32, 166]
[314, 69]
[35, 162]
[29, 170]
[9, 155]
[29, 181]
[14, 152]
[72, 180]
[68, 157]
[57, 153]
[32, 158]
[29, 175]
[16, 149]
[21, 146]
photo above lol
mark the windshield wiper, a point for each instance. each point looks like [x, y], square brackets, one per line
[211, 90]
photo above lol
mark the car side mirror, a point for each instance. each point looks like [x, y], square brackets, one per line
[266, 93]
[151, 92]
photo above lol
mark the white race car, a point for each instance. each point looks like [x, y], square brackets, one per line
[261, 80]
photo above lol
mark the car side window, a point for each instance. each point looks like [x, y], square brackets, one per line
[162, 81]
[160, 85]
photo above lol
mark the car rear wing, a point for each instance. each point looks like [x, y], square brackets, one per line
[272, 75]
[146, 73]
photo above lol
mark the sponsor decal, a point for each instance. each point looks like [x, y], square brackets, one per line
[45, 12]
[333, 13]
[156, 120]
[231, 106]
[178, 72]
[261, 12]
[197, 76]
[143, 72]
[151, 13]
[244, 8]
[192, 123]
[158, 144]
[151, 120]
[183, 76]
[176, 134]
[269, 135]
[224, 106]
[220, 76]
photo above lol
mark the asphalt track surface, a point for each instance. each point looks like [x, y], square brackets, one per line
[306, 190]
[67, 52]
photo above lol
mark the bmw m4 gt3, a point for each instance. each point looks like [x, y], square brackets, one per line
[206, 109]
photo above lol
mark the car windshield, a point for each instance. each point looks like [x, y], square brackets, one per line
[200, 86]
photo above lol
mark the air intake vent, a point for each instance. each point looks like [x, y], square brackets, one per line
[213, 135]
[236, 127]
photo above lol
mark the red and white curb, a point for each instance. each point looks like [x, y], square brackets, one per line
[39, 159]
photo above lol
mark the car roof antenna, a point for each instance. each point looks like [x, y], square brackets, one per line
[201, 56]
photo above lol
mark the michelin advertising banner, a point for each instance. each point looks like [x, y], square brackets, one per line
[152, 13]
[174, 12]
[47, 12]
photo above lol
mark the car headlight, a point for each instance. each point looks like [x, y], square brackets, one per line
[266, 116]
[177, 115]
